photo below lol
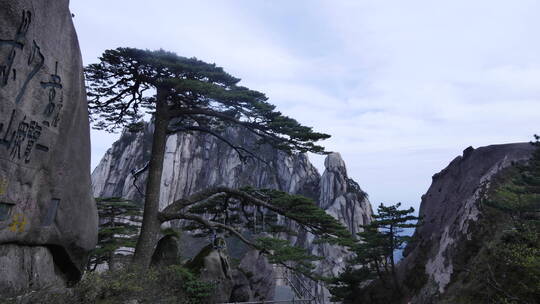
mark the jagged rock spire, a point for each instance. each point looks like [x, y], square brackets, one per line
[341, 196]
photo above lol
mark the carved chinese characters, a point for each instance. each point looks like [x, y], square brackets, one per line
[46, 210]
[55, 98]
[22, 66]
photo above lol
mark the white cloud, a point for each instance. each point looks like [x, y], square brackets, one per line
[402, 86]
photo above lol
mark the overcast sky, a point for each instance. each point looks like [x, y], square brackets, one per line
[402, 86]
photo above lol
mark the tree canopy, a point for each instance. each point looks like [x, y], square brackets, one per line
[232, 212]
[373, 261]
[188, 95]
[508, 268]
[120, 220]
[201, 97]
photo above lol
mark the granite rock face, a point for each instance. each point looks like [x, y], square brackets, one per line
[342, 198]
[194, 162]
[46, 207]
[167, 252]
[254, 279]
[112, 177]
[25, 267]
[450, 209]
[214, 266]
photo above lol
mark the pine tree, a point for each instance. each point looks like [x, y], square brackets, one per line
[235, 212]
[189, 95]
[390, 223]
[119, 224]
[373, 260]
[510, 272]
[521, 194]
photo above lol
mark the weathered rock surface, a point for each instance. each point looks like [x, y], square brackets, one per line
[47, 214]
[196, 161]
[27, 267]
[167, 252]
[342, 198]
[214, 266]
[254, 279]
[112, 177]
[449, 210]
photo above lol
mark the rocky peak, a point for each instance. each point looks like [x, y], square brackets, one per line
[341, 196]
[197, 161]
[334, 162]
[450, 208]
[333, 180]
[194, 162]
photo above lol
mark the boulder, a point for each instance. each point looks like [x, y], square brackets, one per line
[166, 252]
[259, 274]
[213, 266]
[252, 280]
[241, 291]
[27, 266]
[48, 219]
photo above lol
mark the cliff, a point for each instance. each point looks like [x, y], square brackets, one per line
[197, 161]
[453, 212]
[48, 219]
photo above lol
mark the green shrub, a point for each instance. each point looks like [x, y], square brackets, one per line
[171, 284]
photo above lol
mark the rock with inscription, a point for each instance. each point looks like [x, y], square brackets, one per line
[45, 193]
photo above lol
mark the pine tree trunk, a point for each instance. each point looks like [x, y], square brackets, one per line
[392, 263]
[379, 273]
[150, 229]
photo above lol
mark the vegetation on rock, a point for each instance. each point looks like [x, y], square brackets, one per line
[372, 267]
[229, 212]
[120, 221]
[501, 264]
[188, 95]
